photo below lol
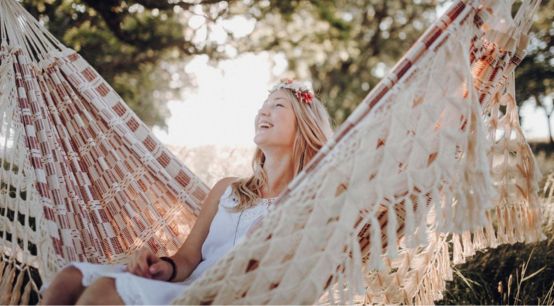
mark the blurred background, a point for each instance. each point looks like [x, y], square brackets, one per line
[197, 71]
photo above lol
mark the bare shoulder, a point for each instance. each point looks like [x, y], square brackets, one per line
[221, 185]
[218, 189]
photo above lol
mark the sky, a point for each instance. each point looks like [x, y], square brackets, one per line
[221, 110]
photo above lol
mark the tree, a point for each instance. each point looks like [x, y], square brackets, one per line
[535, 75]
[344, 47]
[136, 45]
[139, 46]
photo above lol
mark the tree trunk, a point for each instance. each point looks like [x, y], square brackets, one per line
[548, 117]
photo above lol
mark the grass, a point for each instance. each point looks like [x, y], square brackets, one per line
[510, 274]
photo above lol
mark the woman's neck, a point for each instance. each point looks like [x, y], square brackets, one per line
[279, 169]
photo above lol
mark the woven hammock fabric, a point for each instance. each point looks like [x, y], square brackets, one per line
[433, 157]
[85, 179]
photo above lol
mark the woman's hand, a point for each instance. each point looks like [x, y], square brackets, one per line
[146, 264]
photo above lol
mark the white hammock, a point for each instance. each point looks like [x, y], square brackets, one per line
[433, 156]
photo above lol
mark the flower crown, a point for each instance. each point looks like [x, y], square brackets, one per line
[301, 92]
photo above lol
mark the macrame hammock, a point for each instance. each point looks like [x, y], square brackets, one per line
[429, 168]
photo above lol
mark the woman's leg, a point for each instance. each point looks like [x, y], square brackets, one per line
[65, 288]
[101, 292]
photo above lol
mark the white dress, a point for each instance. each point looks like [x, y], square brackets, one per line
[226, 230]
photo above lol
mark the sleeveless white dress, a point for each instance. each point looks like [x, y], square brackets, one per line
[226, 230]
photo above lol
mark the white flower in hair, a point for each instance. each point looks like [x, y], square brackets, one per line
[301, 92]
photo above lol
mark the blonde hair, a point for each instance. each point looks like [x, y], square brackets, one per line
[313, 130]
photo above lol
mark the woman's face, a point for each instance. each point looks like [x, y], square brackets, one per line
[275, 122]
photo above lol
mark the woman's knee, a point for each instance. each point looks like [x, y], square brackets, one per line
[101, 292]
[65, 287]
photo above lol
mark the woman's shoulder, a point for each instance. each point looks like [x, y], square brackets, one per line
[223, 187]
[217, 193]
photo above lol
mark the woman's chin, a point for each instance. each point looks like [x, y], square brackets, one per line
[262, 142]
[259, 140]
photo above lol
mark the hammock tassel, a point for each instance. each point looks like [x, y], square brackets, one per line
[457, 251]
[410, 223]
[376, 245]
[16, 291]
[26, 296]
[356, 281]
[421, 213]
[392, 227]
[7, 284]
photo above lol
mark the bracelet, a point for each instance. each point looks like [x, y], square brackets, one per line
[173, 265]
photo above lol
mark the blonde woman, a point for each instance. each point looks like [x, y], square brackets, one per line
[291, 126]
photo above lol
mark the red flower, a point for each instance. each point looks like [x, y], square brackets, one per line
[302, 95]
[305, 96]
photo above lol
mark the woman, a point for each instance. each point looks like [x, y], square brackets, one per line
[291, 126]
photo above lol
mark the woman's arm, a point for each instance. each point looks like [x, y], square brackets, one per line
[146, 264]
[189, 254]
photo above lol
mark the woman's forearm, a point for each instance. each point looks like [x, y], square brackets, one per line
[184, 266]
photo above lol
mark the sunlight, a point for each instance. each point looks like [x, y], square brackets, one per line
[222, 109]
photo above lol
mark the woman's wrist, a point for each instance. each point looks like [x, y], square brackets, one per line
[173, 266]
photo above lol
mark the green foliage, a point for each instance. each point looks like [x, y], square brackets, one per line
[535, 75]
[344, 47]
[128, 42]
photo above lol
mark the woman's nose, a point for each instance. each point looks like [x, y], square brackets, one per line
[264, 110]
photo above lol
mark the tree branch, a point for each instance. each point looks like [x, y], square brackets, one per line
[114, 20]
[164, 5]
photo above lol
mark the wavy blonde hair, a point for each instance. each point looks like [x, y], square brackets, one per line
[313, 130]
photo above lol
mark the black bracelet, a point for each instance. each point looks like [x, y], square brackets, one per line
[173, 265]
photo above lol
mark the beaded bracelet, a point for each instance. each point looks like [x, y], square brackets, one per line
[173, 265]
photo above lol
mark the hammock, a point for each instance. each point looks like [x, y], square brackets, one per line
[433, 157]
[87, 180]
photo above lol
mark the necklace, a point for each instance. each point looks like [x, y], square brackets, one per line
[237, 228]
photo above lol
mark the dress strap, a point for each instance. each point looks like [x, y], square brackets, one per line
[227, 199]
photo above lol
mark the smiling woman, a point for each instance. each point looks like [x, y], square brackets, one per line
[290, 127]
[293, 120]
[275, 122]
